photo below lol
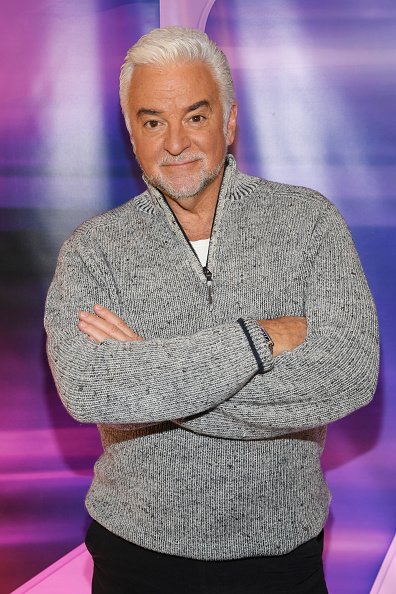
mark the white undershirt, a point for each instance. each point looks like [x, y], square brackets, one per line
[201, 248]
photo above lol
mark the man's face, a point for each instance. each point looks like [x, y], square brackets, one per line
[177, 127]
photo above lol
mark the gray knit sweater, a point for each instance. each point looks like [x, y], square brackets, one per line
[212, 446]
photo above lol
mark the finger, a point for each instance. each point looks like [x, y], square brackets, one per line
[107, 329]
[102, 326]
[92, 332]
[115, 320]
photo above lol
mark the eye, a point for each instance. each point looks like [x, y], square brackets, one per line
[151, 124]
[197, 119]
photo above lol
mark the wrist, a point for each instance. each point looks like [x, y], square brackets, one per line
[258, 344]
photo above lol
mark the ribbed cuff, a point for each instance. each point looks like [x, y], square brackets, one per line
[258, 344]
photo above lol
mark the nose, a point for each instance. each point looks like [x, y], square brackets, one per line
[176, 138]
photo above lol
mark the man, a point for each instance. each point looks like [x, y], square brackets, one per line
[223, 321]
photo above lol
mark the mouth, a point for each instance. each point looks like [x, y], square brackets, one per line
[180, 163]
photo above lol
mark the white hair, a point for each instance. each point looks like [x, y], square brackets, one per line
[171, 45]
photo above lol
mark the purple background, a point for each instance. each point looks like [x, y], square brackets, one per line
[316, 87]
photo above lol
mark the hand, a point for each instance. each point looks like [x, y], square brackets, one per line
[105, 324]
[286, 332]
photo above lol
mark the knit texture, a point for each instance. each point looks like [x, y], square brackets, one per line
[212, 446]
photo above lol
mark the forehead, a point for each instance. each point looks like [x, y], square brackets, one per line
[182, 83]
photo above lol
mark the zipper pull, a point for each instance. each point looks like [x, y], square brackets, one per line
[209, 284]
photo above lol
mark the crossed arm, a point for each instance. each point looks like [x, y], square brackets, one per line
[287, 332]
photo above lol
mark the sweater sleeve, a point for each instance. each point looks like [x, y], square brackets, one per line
[327, 377]
[145, 381]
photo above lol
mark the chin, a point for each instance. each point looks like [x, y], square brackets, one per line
[181, 192]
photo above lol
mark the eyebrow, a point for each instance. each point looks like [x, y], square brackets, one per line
[197, 105]
[146, 111]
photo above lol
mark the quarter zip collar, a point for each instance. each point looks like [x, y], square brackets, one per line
[206, 273]
[229, 176]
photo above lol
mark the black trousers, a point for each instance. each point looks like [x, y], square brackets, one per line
[121, 567]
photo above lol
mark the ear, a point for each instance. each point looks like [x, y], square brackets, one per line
[231, 125]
